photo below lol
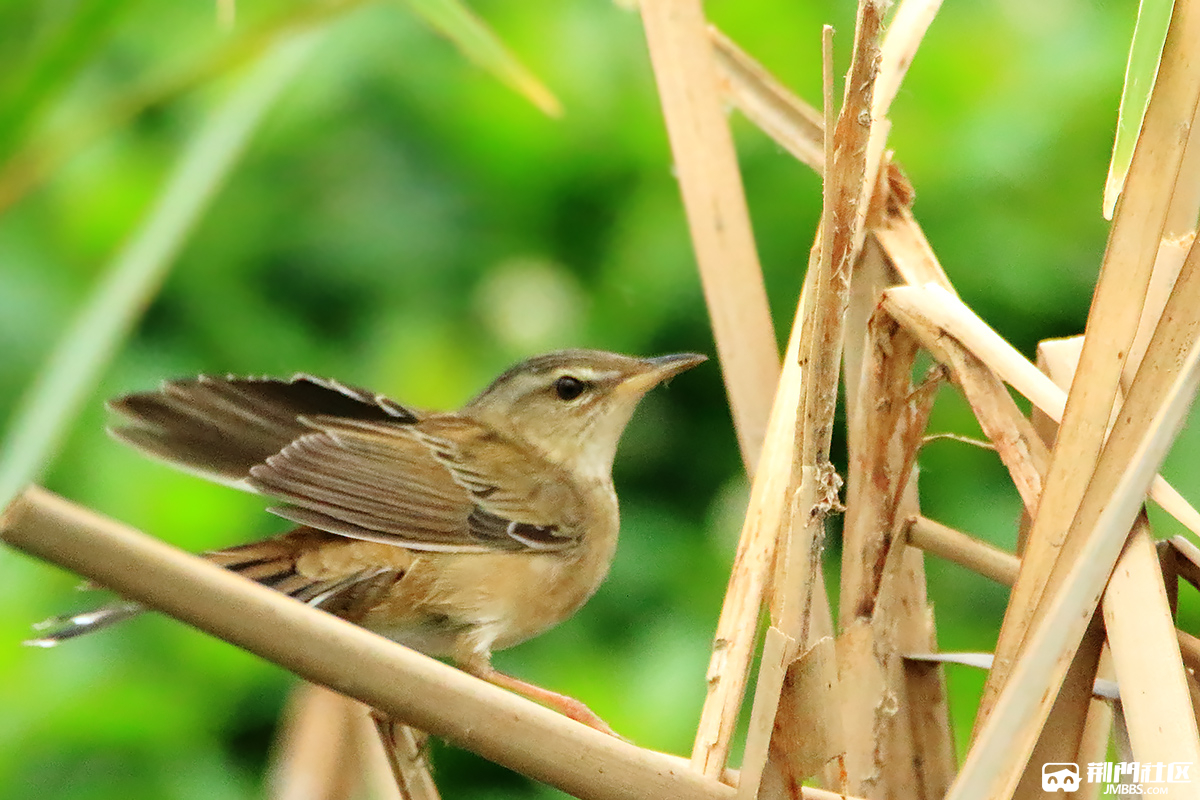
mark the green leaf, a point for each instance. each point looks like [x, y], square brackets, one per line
[133, 278]
[1145, 52]
[481, 45]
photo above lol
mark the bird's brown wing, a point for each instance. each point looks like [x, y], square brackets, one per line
[444, 484]
[221, 427]
[357, 464]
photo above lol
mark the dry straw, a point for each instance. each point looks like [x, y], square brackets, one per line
[836, 706]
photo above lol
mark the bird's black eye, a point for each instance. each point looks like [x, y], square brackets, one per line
[568, 388]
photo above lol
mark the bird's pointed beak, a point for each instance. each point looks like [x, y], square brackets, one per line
[657, 370]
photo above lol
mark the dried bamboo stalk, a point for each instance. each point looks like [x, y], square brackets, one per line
[865, 754]
[931, 307]
[319, 647]
[967, 551]
[1000, 751]
[1097, 730]
[779, 650]
[797, 564]
[793, 124]
[848, 187]
[849, 179]
[798, 128]
[1016, 442]
[820, 346]
[1173, 336]
[403, 750]
[813, 739]
[715, 202]
[880, 463]
[1187, 565]
[909, 23]
[909, 751]
[316, 755]
[1112, 322]
[733, 645]
[1145, 655]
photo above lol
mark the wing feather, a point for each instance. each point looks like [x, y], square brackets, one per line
[356, 464]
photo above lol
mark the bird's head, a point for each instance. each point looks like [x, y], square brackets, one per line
[573, 405]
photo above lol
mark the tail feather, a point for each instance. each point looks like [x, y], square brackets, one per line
[271, 563]
[59, 629]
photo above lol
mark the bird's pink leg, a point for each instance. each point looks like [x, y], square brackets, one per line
[568, 706]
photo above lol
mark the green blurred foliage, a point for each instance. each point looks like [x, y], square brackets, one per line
[403, 221]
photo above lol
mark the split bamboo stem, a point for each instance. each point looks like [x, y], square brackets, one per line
[849, 180]
[882, 460]
[797, 564]
[849, 185]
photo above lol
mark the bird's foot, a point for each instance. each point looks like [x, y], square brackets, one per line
[562, 703]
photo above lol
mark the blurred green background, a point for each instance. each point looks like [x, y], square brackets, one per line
[402, 220]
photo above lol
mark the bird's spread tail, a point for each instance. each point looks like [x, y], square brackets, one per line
[272, 563]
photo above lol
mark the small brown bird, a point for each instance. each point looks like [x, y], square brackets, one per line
[453, 533]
